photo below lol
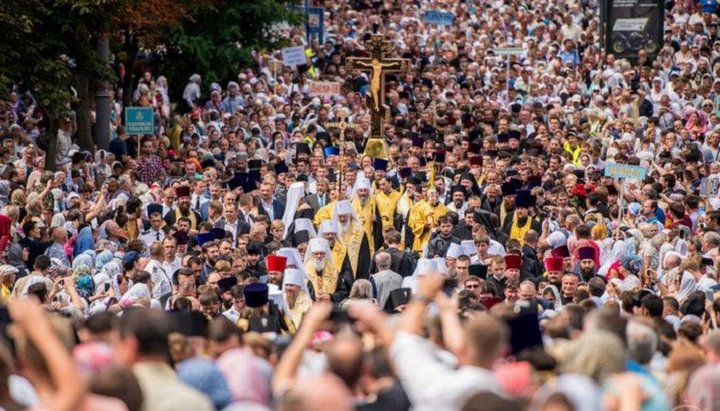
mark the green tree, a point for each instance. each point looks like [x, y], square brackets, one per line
[40, 46]
[218, 41]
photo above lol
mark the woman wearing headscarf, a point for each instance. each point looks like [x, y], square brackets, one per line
[84, 241]
[616, 255]
[5, 234]
[17, 256]
[688, 285]
[203, 375]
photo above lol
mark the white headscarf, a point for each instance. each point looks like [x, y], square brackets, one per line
[295, 193]
[136, 292]
[617, 253]
[688, 285]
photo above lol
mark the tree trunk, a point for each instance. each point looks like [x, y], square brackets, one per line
[51, 129]
[84, 127]
[131, 48]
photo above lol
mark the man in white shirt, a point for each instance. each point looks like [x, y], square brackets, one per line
[155, 233]
[233, 313]
[162, 281]
[430, 382]
[171, 261]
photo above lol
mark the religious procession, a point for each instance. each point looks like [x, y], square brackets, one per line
[480, 205]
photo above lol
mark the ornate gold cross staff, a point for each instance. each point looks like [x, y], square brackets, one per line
[341, 124]
[378, 64]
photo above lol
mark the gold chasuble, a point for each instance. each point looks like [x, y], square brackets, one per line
[325, 283]
[420, 214]
[324, 213]
[298, 309]
[339, 251]
[517, 231]
[366, 215]
[351, 242]
[387, 203]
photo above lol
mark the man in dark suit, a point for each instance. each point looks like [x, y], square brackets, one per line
[402, 262]
[269, 206]
[532, 268]
[230, 222]
[321, 198]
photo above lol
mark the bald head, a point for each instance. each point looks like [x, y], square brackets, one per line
[333, 396]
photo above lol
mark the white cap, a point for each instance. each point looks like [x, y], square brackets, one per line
[363, 183]
[328, 226]
[468, 247]
[425, 266]
[294, 276]
[454, 251]
[305, 224]
[343, 207]
[318, 245]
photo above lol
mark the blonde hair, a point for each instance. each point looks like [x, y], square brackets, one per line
[599, 232]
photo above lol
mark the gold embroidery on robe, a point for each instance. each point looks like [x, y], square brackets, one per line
[297, 311]
[324, 213]
[387, 203]
[351, 241]
[325, 283]
[366, 215]
[420, 214]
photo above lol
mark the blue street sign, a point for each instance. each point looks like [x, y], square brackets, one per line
[139, 120]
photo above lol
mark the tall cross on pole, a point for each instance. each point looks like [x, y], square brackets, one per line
[341, 124]
[378, 64]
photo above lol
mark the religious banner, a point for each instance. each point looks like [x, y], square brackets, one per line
[709, 187]
[325, 88]
[441, 18]
[631, 26]
[315, 23]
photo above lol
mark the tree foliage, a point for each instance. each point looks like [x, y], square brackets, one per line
[218, 41]
[47, 46]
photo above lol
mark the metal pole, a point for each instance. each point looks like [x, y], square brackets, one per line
[507, 79]
[102, 101]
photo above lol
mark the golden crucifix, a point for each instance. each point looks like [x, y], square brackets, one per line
[341, 123]
[378, 63]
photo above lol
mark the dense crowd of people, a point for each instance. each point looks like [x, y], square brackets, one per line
[248, 255]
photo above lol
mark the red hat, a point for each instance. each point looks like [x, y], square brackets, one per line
[554, 264]
[586, 253]
[513, 262]
[561, 251]
[276, 263]
[475, 161]
[182, 191]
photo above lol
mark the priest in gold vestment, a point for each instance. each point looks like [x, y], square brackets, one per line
[423, 219]
[325, 283]
[366, 210]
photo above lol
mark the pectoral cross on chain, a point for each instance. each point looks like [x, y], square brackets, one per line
[378, 64]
